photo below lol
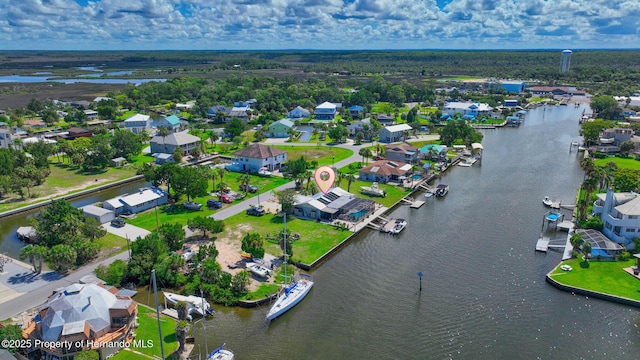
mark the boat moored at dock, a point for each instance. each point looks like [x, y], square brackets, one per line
[441, 190]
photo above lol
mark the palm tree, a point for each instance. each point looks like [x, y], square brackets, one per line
[350, 178]
[339, 177]
[163, 132]
[35, 254]
[366, 154]
[588, 166]
[221, 173]
[308, 175]
[213, 137]
[244, 180]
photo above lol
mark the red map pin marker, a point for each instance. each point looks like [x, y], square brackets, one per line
[324, 177]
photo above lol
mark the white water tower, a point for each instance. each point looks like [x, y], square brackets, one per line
[565, 63]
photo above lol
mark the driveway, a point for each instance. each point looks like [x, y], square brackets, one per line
[128, 231]
[305, 133]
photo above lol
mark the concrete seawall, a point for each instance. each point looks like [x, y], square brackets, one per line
[594, 294]
[81, 193]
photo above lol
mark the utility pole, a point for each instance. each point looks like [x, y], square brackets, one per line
[155, 295]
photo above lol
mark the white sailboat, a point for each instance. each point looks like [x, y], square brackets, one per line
[220, 354]
[293, 293]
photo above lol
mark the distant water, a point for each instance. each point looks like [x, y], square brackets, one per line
[37, 79]
[484, 295]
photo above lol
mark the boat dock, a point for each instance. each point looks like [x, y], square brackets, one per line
[417, 204]
[544, 243]
[172, 313]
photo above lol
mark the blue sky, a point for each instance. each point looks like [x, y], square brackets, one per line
[318, 24]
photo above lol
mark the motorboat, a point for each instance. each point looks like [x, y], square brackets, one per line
[547, 201]
[291, 296]
[195, 304]
[581, 148]
[373, 190]
[258, 269]
[566, 267]
[553, 217]
[399, 225]
[221, 354]
[468, 162]
[575, 143]
[441, 190]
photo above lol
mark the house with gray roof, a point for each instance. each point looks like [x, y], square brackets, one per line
[79, 314]
[240, 112]
[620, 215]
[335, 204]
[143, 199]
[168, 144]
[299, 113]
[257, 156]
[394, 133]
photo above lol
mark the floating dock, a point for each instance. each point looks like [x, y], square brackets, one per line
[417, 204]
[543, 244]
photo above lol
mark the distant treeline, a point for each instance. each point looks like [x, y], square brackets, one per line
[599, 71]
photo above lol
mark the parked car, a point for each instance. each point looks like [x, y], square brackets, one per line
[192, 205]
[255, 211]
[248, 188]
[376, 158]
[118, 222]
[226, 198]
[214, 204]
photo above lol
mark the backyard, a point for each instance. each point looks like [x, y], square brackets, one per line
[148, 331]
[623, 163]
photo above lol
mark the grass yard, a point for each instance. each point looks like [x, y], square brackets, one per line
[394, 193]
[142, 159]
[623, 163]
[148, 330]
[66, 179]
[263, 291]
[111, 244]
[178, 214]
[322, 154]
[602, 276]
[315, 238]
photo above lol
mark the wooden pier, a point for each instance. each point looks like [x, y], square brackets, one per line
[417, 204]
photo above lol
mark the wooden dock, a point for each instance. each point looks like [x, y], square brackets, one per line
[417, 204]
[543, 244]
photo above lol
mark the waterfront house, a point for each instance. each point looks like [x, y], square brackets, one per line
[34, 124]
[615, 136]
[257, 156]
[81, 314]
[299, 113]
[171, 123]
[281, 128]
[356, 111]
[384, 171]
[402, 152]
[143, 199]
[91, 114]
[394, 133]
[326, 111]
[138, 124]
[335, 204]
[556, 90]
[179, 140]
[510, 86]
[620, 215]
[433, 151]
[601, 246]
[476, 110]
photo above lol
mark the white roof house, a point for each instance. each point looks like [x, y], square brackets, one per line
[394, 133]
[467, 108]
[143, 199]
[101, 214]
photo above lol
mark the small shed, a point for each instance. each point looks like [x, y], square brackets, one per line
[119, 161]
[101, 214]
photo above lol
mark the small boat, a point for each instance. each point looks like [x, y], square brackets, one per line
[428, 194]
[221, 354]
[566, 267]
[547, 201]
[373, 190]
[468, 162]
[581, 148]
[258, 269]
[441, 190]
[195, 304]
[400, 224]
[575, 143]
[553, 217]
[291, 295]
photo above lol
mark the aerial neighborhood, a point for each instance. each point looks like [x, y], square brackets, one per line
[217, 197]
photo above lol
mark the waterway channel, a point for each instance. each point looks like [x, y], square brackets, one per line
[483, 292]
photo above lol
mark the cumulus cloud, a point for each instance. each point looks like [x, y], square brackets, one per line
[336, 24]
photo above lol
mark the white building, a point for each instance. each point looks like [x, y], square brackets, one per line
[620, 215]
[138, 123]
[142, 200]
[394, 133]
[6, 139]
[258, 156]
[467, 108]
[101, 214]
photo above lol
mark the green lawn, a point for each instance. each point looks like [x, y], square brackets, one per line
[623, 163]
[601, 276]
[66, 179]
[111, 244]
[324, 155]
[148, 330]
[263, 291]
[394, 193]
[315, 238]
[147, 219]
[125, 115]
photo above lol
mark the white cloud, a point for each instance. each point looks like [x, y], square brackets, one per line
[265, 24]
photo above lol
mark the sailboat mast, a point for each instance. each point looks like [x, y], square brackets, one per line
[285, 247]
[155, 295]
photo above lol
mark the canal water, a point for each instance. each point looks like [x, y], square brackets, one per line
[9, 243]
[483, 291]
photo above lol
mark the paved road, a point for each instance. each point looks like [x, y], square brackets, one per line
[37, 296]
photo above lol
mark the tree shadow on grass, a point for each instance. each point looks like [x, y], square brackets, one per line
[584, 264]
[91, 172]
